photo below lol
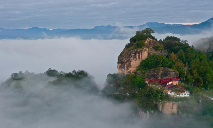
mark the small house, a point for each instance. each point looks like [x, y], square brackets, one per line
[171, 86]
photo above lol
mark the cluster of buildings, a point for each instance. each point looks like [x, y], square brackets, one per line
[170, 86]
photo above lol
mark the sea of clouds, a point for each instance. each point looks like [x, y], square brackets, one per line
[36, 106]
[97, 57]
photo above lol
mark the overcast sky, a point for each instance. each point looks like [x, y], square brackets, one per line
[90, 13]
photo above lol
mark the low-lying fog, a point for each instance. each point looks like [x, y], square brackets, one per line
[39, 107]
[98, 57]
[190, 38]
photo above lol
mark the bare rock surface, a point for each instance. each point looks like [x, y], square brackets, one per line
[161, 73]
[130, 58]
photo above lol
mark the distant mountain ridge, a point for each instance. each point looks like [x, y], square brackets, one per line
[185, 29]
[104, 32]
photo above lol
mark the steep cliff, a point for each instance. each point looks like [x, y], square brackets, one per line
[130, 58]
[168, 107]
[161, 73]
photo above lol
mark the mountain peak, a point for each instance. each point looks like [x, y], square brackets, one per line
[210, 19]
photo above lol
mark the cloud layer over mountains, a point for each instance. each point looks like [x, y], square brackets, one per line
[98, 57]
[37, 105]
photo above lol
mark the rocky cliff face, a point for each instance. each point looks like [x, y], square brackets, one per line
[131, 58]
[168, 107]
[164, 107]
[161, 73]
[129, 63]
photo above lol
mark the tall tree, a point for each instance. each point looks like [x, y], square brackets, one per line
[147, 31]
[190, 54]
[173, 57]
[181, 69]
[181, 56]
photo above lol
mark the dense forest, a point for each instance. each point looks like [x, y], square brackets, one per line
[195, 67]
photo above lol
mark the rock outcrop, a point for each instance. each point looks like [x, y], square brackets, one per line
[161, 73]
[129, 63]
[131, 58]
[168, 107]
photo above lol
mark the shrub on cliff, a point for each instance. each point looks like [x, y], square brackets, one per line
[134, 82]
[155, 61]
[140, 36]
[172, 38]
[149, 97]
[139, 44]
[158, 47]
[123, 86]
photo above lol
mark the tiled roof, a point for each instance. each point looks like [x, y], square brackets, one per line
[162, 81]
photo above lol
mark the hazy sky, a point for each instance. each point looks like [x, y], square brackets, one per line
[89, 13]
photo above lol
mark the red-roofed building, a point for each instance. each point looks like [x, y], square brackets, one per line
[177, 91]
[164, 82]
[171, 86]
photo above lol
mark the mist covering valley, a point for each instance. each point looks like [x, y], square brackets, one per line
[106, 64]
[37, 103]
[98, 57]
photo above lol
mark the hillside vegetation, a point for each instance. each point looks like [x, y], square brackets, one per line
[195, 69]
[77, 79]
